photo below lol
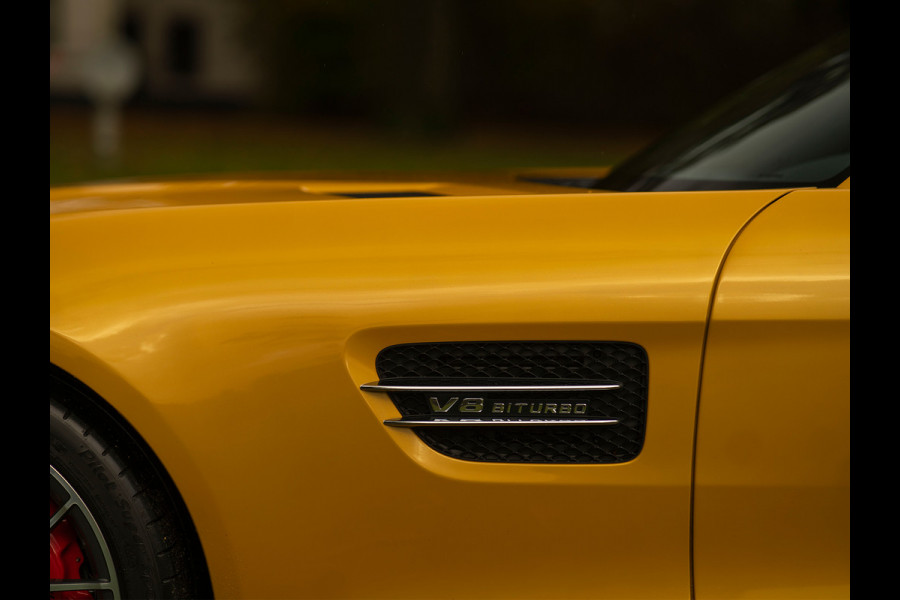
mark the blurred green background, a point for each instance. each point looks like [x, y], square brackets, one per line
[243, 85]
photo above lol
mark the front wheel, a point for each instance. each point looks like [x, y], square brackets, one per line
[117, 530]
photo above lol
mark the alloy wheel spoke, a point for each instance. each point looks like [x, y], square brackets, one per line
[93, 529]
[71, 585]
[61, 512]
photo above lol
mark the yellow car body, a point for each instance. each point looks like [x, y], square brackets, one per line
[233, 322]
[569, 384]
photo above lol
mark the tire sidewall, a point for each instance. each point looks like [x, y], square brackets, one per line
[93, 467]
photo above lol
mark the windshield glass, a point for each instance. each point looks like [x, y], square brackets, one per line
[789, 129]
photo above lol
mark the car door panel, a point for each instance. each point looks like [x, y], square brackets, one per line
[772, 498]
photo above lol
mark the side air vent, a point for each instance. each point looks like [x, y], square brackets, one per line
[521, 402]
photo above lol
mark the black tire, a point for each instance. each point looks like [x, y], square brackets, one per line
[131, 529]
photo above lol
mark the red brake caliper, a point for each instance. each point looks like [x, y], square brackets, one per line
[66, 558]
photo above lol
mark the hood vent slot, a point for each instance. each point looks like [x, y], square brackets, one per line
[399, 194]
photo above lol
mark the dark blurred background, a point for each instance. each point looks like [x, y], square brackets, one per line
[156, 87]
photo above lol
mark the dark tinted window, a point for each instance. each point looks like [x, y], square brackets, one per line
[789, 129]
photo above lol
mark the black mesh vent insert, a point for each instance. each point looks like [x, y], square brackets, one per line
[518, 361]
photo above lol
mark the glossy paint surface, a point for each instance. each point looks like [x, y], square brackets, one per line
[772, 512]
[233, 330]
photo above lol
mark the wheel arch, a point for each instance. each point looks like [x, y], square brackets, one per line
[86, 383]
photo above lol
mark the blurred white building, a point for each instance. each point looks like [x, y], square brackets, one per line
[189, 50]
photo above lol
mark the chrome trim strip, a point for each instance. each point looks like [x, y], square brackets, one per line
[427, 422]
[377, 387]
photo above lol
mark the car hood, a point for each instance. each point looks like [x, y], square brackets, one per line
[159, 254]
[319, 186]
